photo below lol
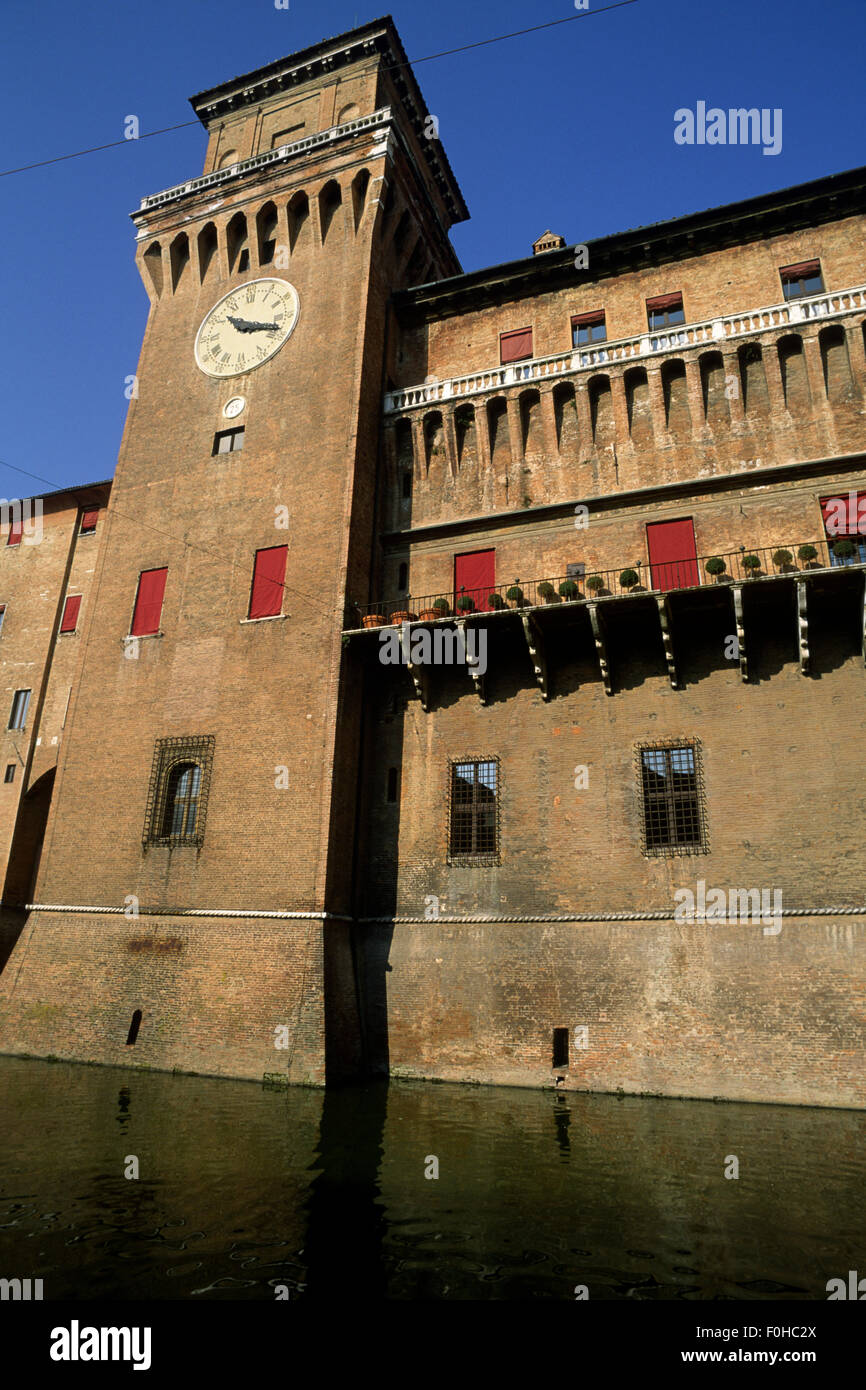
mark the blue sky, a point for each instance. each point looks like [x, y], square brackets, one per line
[570, 128]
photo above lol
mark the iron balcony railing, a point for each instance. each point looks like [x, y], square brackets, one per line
[722, 567]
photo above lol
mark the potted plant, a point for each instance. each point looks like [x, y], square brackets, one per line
[403, 616]
[546, 591]
[751, 564]
[595, 582]
[514, 595]
[442, 606]
[716, 567]
[373, 620]
[568, 590]
[628, 579]
[843, 550]
[465, 604]
[782, 559]
[806, 554]
[495, 601]
[429, 615]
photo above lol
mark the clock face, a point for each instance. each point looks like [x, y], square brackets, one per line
[246, 327]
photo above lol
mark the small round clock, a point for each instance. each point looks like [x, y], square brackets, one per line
[246, 327]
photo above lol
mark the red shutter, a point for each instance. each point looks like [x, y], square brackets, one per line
[70, 613]
[844, 514]
[474, 575]
[597, 316]
[89, 520]
[16, 530]
[803, 271]
[266, 599]
[514, 346]
[148, 603]
[666, 301]
[672, 554]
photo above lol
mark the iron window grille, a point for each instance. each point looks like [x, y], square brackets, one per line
[178, 792]
[673, 800]
[474, 794]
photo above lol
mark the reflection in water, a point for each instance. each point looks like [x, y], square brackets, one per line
[243, 1190]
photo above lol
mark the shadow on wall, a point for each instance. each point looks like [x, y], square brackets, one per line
[24, 856]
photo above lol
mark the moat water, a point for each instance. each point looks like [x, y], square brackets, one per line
[243, 1189]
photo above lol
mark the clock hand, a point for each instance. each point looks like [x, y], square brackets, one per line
[244, 326]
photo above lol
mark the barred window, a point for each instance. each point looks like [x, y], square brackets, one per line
[178, 791]
[474, 805]
[672, 792]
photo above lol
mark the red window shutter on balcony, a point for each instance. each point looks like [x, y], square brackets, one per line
[69, 621]
[803, 271]
[666, 301]
[148, 603]
[16, 530]
[89, 520]
[475, 576]
[514, 346]
[672, 554]
[844, 514]
[266, 599]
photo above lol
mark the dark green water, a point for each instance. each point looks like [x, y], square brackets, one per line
[242, 1189]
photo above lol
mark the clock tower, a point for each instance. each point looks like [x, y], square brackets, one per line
[194, 908]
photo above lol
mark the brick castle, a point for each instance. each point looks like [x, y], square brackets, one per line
[239, 842]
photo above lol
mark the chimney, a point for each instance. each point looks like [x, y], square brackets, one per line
[548, 241]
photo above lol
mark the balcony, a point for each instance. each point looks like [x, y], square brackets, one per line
[711, 332]
[728, 579]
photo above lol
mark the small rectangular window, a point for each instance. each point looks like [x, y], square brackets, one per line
[88, 522]
[671, 794]
[588, 328]
[69, 621]
[474, 828]
[515, 346]
[148, 603]
[664, 310]
[269, 573]
[20, 706]
[10, 773]
[228, 441]
[802, 279]
[560, 1047]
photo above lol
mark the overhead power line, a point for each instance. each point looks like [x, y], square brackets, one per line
[412, 62]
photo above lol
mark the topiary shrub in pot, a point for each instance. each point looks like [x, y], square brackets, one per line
[782, 559]
[495, 601]
[514, 595]
[843, 550]
[628, 579]
[465, 604]
[751, 564]
[716, 567]
[442, 606]
[546, 591]
[568, 590]
[806, 554]
[595, 582]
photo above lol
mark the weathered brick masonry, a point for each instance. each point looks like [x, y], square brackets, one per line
[382, 442]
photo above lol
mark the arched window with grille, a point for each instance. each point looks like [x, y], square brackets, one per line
[177, 797]
[181, 801]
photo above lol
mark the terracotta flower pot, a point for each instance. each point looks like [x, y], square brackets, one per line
[430, 615]
[373, 620]
[403, 617]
